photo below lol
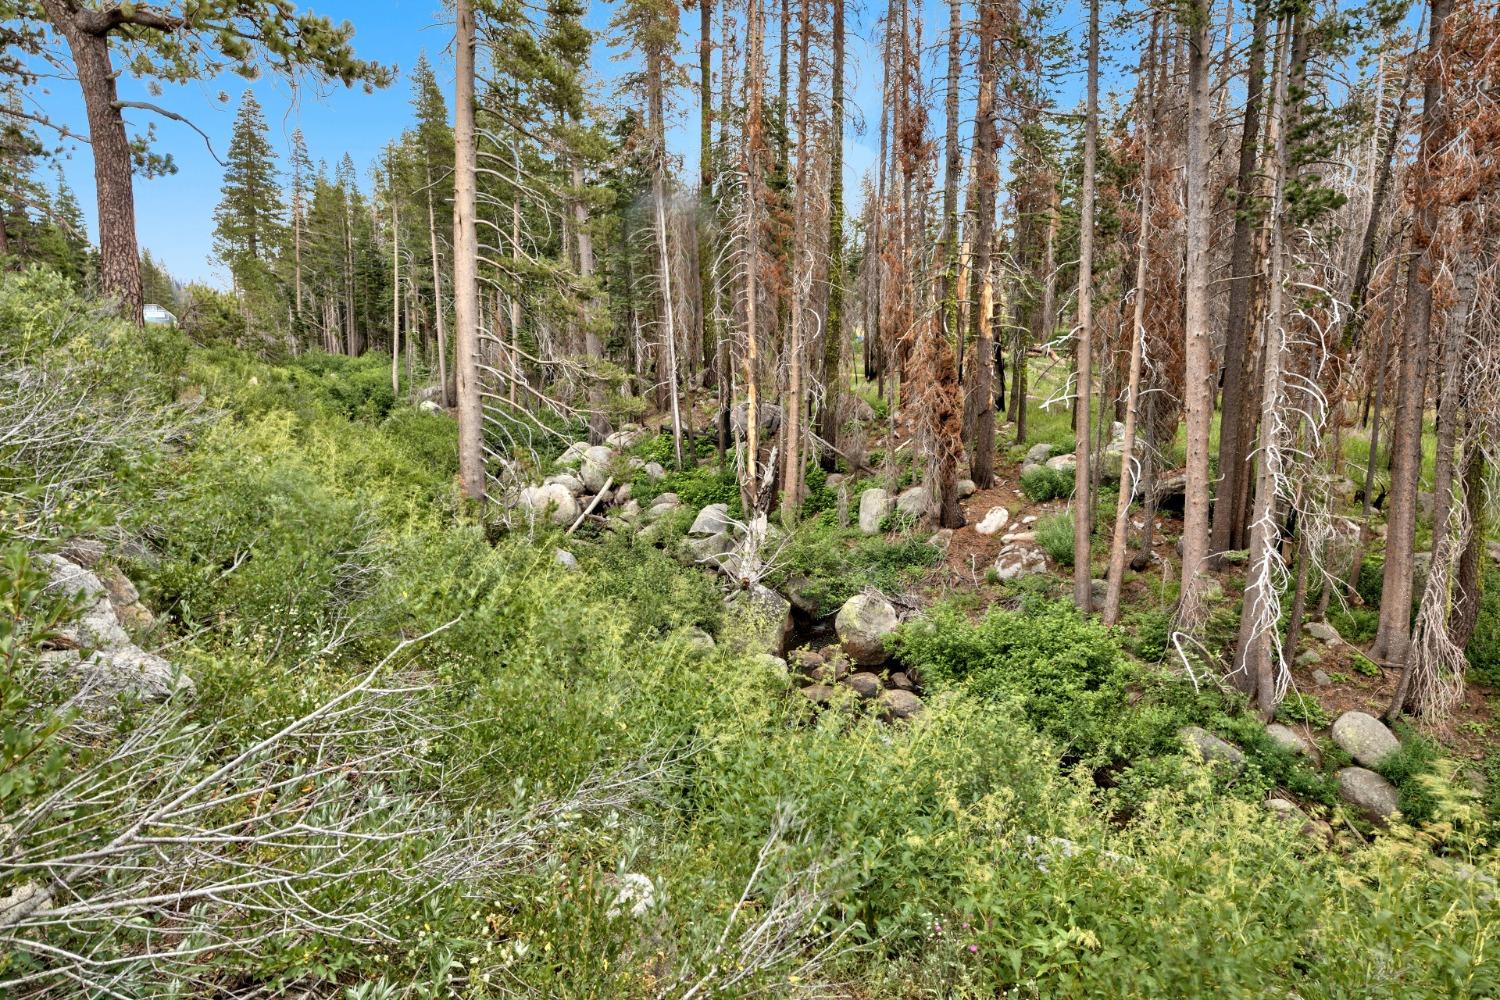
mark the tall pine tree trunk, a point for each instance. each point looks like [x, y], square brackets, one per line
[1083, 508]
[1198, 356]
[1229, 514]
[465, 263]
[114, 173]
[1394, 633]
[982, 460]
[833, 333]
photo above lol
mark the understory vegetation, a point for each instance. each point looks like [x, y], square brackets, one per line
[425, 759]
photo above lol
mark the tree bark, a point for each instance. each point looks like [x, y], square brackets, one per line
[833, 333]
[465, 263]
[114, 176]
[1229, 515]
[1394, 633]
[1115, 577]
[1083, 508]
[982, 460]
[1198, 354]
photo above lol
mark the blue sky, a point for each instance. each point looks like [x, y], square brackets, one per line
[175, 212]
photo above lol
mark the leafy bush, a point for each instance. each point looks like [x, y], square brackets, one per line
[1065, 671]
[1040, 484]
[1299, 707]
[1055, 536]
[827, 565]
[1148, 633]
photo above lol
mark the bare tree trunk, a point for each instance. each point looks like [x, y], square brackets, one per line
[1466, 601]
[1452, 365]
[437, 299]
[1083, 507]
[465, 263]
[1366, 518]
[1394, 633]
[1198, 407]
[982, 460]
[659, 196]
[833, 333]
[1229, 515]
[395, 288]
[598, 419]
[802, 267]
[1255, 672]
[1128, 482]
[755, 35]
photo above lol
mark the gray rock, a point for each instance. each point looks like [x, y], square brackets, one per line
[863, 624]
[552, 501]
[595, 467]
[572, 456]
[1039, 453]
[1285, 809]
[1016, 561]
[428, 406]
[900, 704]
[941, 539]
[773, 665]
[630, 510]
[696, 640]
[1067, 463]
[913, 502]
[567, 480]
[1365, 738]
[993, 522]
[1289, 739]
[654, 471]
[1321, 678]
[1309, 657]
[623, 492]
[105, 662]
[765, 616]
[85, 552]
[565, 559]
[865, 684]
[712, 549]
[874, 505]
[1211, 748]
[834, 481]
[966, 488]
[122, 670]
[711, 520]
[1369, 793]
[627, 437]
[1323, 632]
[901, 681]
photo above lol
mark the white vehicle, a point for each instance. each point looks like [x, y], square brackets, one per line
[156, 315]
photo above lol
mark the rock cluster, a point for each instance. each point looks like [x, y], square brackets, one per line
[858, 669]
[586, 482]
[99, 655]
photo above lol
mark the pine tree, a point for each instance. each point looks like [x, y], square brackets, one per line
[248, 220]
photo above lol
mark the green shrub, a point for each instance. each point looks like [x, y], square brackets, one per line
[1065, 671]
[1040, 484]
[1148, 633]
[1055, 536]
[1355, 624]
[827, 565]
[1299, 707]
